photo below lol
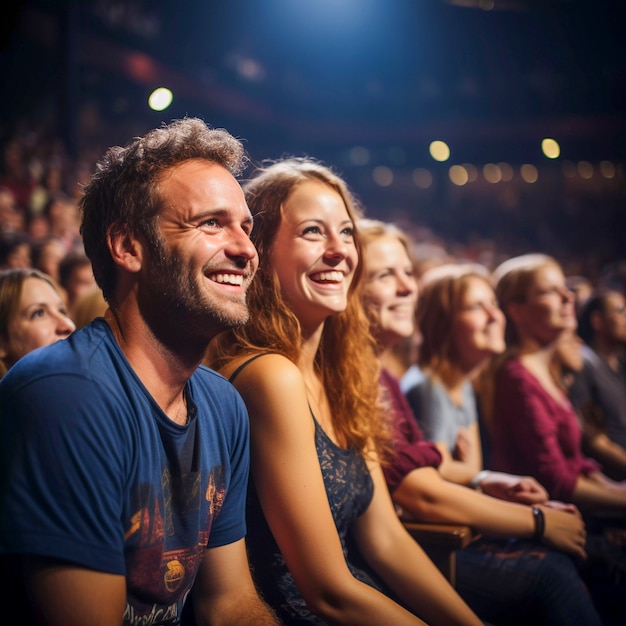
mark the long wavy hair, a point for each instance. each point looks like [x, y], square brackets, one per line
[441, 296]
[346, 360]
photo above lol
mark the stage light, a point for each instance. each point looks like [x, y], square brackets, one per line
[439, 150]
[160, 99]
[550, 148]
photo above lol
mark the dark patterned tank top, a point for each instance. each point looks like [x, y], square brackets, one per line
[349, 488]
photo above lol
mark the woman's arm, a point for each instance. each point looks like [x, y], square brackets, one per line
[428, 497]
[467, 460]
[395, 556]
[291, 491]
[601, 495]
[610, 454]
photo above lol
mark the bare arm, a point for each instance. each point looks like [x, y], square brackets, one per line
[399, 560]
[427, 497]
[522, 489]
[224, 594]
[468, 447]
[599, 494]
[610, 454]
[291, 491]
[461, 467]
[62, 594]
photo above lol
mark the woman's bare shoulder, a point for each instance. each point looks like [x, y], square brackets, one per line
[261, 369]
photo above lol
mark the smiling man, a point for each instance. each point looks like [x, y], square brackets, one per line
[124, 463]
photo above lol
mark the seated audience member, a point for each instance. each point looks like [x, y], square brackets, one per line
[533, 427]
[306, 368]
[598, 391]
[124, 462]
[48, 254]
[76, 277]
[63, 216]
[15, 250]
[506, 575]
[32, 314]
[462, 328]
[11, 217]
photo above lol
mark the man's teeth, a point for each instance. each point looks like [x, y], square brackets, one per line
[230, 279]
[334, 277]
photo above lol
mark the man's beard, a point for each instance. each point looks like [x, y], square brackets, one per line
[174, 296]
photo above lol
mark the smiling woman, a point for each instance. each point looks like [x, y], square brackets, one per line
[32, 314]
[305, 365]
[462, 327]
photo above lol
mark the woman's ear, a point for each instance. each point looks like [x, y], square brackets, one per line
[125, 248]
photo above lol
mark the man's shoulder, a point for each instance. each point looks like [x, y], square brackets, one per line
[77, 356]
[210, 388]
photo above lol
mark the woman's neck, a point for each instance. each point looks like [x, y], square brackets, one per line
[539, 361]
[392, 362]
[542, 354]
[311, 341]
[452, 378]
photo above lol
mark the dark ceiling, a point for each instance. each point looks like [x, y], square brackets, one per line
[295, 76]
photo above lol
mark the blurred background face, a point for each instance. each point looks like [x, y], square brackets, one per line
[20, 257]
[478, 328]
[41, 319]
[50, 257]
[80, 282]
[390, 293]
[549, 306]
[613, 325]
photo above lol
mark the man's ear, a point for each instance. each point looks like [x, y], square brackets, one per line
[125, 248]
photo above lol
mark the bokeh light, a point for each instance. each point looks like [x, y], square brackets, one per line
[160, 99]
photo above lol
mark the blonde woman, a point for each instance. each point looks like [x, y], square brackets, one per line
[534, 428]
[33, 314]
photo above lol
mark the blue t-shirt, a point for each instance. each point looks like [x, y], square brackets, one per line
[93, 472]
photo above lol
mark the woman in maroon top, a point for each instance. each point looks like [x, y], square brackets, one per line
[533, 427]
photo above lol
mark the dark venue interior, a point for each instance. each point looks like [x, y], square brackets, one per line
[365, 86]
